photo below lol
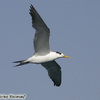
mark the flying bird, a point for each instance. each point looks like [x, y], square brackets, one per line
[43, 55]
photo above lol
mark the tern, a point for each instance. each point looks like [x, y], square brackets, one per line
[43, 55]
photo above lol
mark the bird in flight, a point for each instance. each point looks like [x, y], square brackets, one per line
[43, 55]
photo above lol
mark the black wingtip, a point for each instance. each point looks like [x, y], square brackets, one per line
[55, 84]
[31, 7]
[30, 10]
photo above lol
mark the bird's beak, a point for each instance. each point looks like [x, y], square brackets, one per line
[66, 56]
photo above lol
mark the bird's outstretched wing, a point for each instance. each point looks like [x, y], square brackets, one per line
[54, 71]
[41, 38]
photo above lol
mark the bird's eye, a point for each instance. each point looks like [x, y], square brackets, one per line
[58, 52]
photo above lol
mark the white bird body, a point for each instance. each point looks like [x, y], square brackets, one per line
[42, 54]
[41, 59]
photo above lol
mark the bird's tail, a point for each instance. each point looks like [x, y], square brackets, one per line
[21, 62]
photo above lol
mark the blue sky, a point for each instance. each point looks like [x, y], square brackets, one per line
[75, 31]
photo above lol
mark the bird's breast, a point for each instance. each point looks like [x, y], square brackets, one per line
[42, 59]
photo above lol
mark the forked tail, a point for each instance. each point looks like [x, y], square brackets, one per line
[21, 62]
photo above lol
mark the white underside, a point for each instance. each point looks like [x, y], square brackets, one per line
[40, 59]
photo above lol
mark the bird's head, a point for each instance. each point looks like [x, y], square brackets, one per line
[61, 55]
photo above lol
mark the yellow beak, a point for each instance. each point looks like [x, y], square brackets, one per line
[66, 56]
